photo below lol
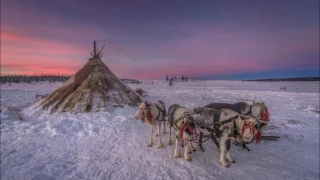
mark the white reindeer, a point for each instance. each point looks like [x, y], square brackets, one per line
[183, 123]
[257, 110]
[152, 114]
[231, 123]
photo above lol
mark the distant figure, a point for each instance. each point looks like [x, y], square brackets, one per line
[281, 88]
[284, 88]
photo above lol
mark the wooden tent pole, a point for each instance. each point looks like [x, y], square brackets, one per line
[94, 49]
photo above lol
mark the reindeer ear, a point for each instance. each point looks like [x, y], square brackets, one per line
[253, 101]
[197, 110]
[138, 104]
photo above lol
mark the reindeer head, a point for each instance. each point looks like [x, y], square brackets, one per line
[250, 128]
[142, 109]
[260, 111]
[245, 108]
[187, 118]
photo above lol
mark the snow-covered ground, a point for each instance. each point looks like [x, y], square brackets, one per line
[114, 145]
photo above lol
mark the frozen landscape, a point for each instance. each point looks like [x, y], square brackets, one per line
[114, 145]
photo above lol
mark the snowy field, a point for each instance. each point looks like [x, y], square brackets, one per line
[114, 145]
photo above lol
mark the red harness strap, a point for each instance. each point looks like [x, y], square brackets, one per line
[183, 127]
[149, 116]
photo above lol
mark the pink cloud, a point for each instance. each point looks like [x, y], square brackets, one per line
[15, 43]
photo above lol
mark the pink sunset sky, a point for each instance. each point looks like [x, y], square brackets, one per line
[148, 40]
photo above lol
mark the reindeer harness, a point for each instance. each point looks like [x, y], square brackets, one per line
[185, 125]
[235, 132]
[149, 114]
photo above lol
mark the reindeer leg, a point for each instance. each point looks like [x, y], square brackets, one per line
[240, 142]
[215, 141]
[164, 127]
[237, 140]
[186, 149]
[170, 127]
[176, 152]
[150, 139]
[223, 140]
[160, 145]
[228, 156]
[191, 146]
[244, 147]
[200, 142]
[158, 132]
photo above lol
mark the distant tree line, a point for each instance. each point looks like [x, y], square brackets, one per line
[184, 78]
[16, 78]
[129, 80]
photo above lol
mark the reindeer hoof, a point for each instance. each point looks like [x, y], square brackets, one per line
[176, 154]
[188, 159]
[233, 161]
[190, 152]
[200, 149]
[194, 150]
[149, 145]
[170, 142]
[226, 165]
[160, 145]
[156, 135]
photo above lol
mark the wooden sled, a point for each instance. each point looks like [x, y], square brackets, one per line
[270, 137]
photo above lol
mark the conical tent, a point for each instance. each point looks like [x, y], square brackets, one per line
[92, 88]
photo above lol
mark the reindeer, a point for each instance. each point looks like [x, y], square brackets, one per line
[257, 110]
[229, 124]
[152, 114]
[181, 119]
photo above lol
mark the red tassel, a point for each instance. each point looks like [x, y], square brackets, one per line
[149, 116]
[258, 137]
[182, 127]
[143, 117]
[265, 115]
